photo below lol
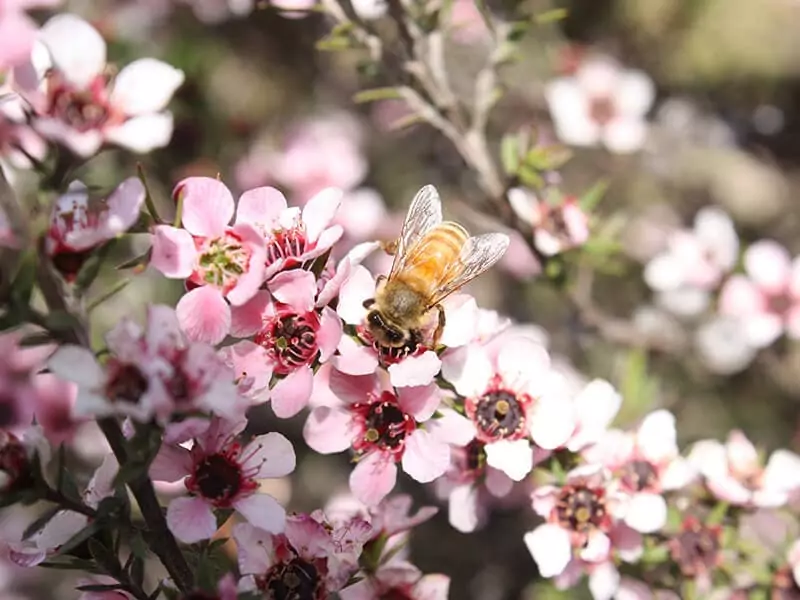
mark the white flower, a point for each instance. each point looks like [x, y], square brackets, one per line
[601, 103]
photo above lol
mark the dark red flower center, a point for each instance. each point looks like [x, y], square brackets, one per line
[475, 456]
[126, 382]
[780, 304]
[602, 110]
[498, 415]
[14, 463]
[396, 594]
[581, 508]
[294, 580]
[384, 425]
[291, 341]
[639, 475]
[82, 110]
[288, 245]
[218, 478]
[784, 586]
[696, 548]
[69, 263]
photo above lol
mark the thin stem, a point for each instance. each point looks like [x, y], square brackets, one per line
[59, 498]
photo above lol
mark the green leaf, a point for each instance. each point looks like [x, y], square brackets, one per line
[509, 154]
[23, 282]
[136, 571]
[717, 514]
[530, 177]
[334, 43]
[104, 557]
[592, 198]
[59, 321]
[91, 268]
[551, 16]
[71, 563]
[137, 262]
[148, 198]
[375, 94]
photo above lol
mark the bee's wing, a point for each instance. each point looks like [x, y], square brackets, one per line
[424, 214]
[477, 255]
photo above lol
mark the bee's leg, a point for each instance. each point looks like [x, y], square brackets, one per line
[390, 247]
[437, 333]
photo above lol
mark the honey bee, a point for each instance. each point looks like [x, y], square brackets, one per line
[432, 259]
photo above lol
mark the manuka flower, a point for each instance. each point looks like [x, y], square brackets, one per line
[398, 579]
[766, 301]
[80, 223]
[556, 227]
[735, 473]
[222, 263]
[311, 559]
[580, 524]
[645, 463]
[383, 426]
[220, 472]
[73, 100]
[17, 453]
[513, 397]
[297, 333]
[155, 372]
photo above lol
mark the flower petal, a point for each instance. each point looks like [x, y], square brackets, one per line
[646, 513]
[142, 134]
[604, 581]
[290, 395]
[296, 288]
[656, 436]
[190, 519]
[373, 478]
[354, 358]
[320, 210]
[260, 207]
[769, 265]
[204, 315]
[207, 205]
[514, 458]
[425, 457]
[76, 48]
[263, 511]
[469, 370]
[415, 370]
[272, 454]
[145, 86]
[552, 421]
[595, 407]
[358, 287]
[550, 547]
[77, 364]
[172, 463]
[328, 430]
[174, 252]
[329, 334]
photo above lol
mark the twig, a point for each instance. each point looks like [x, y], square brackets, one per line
[59, 498]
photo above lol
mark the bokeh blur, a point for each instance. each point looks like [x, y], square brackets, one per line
[263, 105]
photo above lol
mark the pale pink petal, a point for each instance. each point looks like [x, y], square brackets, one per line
[569, 106]
[522, 360]
[328, 430]
[249, 282]
[464, 508]
[124, 205]
[297, 288]
[204, 315]
[664, 272]
[452, 427]
[248, 318]
[657, 436]
[763, 329]
[172, 463]
[742, 454]
[595, 407]
[627, 542]
[142, 134]
[543, 500]
[729, 489]
[358, 287]
[290, 395]
[178, 432]
[769, 265]
[174, 252]
[77, 50]
[646, 513]
[715, 229]
[678, 474]
[251, 366]
[415, 370]
[145, 86]
[782, 471]
[190, 519]
[630, 589]
[320, 210]
[354, 358]
[597, 548]
[255, 549]
[207, 206]
[604, 581]
[425, 457]
[514, 458]
[469, 370]
[373, 477]
[709, 458]
[550, 548]
[624, 135]
[77, 364]
[261, 206]
[497, 483]
[552, 422]
[263, 511]
[329, 334]
[18, 33]
[634, 94]
[432, 587]
[351, 389]
[421, 402]
[740, 297]
[272, 454]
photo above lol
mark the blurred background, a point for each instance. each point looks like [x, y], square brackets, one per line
[262, 106]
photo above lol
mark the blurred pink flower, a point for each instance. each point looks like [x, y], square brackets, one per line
[556, 228]
[696, 548]
[79, 223]
[19, 392]
[296, 330]
[219, 261]
[581, 525]
[734, 472]
[17, 30]
[645, 463]
[694, 262]
[155, 372]
[294, 9]
[20, 146]
[513, 397]
[767, 299]
[311, 554]
[383, 427]
[601, 103]
[596, 406]
[398, 579]
[216, 11]
[73, 101]
[220, 472]
[17, 450]
[466, 24]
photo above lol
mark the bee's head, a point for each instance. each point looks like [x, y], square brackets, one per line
[384, 332]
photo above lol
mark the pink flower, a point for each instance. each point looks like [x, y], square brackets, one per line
[219, 261]
[734, 472]
[311, 554]
[297, 333]
[19, 393]
[219, 472]
[580, 523]
[155, 372]
[467, 25]
[556, 228]
[513, 397]
[73, 101]
[414, 365]
[55, 399]
[383, 427]
[398, 579]
[19, 144]
[596, 406]
[17, 451]
[646, 463]
[694, 262]
[601, 103]
[17, 30]
[79, 223]
[767, 299]
[217, 11]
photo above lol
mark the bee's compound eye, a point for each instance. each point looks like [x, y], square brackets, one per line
[374, 319]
